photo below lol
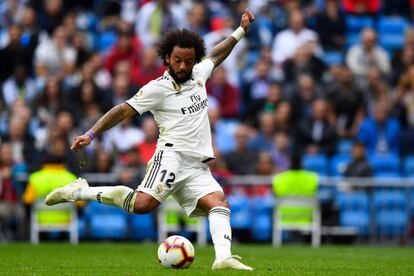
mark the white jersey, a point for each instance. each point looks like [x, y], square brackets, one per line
[180, 111]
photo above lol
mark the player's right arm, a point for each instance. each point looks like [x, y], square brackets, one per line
[107, 121]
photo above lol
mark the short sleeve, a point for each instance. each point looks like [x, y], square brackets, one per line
[205, 68]
[146, 99]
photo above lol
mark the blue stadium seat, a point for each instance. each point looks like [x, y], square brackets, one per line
[106, 40]
[353, 201]
[387, 163]
[351, 39]
[391, 42]
[262, 204]
[354, 24]
[392, 25]
[317, 163]
[390, 199]
[109, 226]
[262, 227]
[142, 227]
[333, 57]
[358, 219]
[392, 222]
[344, 146]
[408, 166]
[106, 222]
[339, 164]
[241, 218]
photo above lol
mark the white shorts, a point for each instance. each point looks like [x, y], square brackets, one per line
[184, 177]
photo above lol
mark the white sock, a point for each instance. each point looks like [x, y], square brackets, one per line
[119, 196]
[220, 230]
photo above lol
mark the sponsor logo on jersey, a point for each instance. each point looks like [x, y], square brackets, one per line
[197, 105]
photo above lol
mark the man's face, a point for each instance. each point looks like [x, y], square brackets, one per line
[181, 63]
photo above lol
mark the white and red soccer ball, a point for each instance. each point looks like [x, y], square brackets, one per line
[176, 252]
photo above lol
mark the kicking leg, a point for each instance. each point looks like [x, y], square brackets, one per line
[215, 204]
[119, 196]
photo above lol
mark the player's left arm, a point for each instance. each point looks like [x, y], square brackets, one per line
[221, 51]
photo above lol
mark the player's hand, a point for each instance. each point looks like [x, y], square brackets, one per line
[81, 142]
[246, 19]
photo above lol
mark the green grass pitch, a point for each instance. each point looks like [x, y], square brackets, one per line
[140, 259]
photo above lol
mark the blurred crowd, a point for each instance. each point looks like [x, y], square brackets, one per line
[65, 63]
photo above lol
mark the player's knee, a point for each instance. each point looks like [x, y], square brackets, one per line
[145, 205]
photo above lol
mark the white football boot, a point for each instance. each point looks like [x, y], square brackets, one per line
[231, 262]
[66, 193]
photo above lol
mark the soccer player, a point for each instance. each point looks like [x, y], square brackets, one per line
[178, 101]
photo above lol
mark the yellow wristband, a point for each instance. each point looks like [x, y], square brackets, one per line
[238, 33]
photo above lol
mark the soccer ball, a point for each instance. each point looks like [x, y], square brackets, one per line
[176, 252]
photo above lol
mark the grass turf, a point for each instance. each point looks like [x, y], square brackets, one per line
[140, 259]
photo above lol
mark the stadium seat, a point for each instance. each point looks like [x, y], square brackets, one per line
[358, 219]
[339, 164]
[317, 163]
[354, 24]
[142, 226]
[408, 166]
[390, 199]
[353, 201]
[60, 217]
[391, 42]
[262, 227]
[333, 57]
[109, 226]
[106, 40]
[106, 222]
[392, 25]
[387, 163]
[241, 218]
[392, 222]
[344, 146]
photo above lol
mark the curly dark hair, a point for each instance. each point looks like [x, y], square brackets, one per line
[183, 39]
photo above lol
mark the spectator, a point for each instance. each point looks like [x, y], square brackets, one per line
[265, 165]
[131, 171]
[227, 95]
[19, 85]
[21, 142]
[269, 104]
[87, 93]
[375, 89]
[147, 148]
[316, 134]
[121, 89]
[256, 90]
[331, 26]
[263, 140]
[241, 160]
[122, 137]
[280, 151]
[198, 19]
[283, 119]
[50, 101]
[348, 103]
[11, 209]
[288, 41]
[361, 57]
[14, 53]
[380, 133]
[302, 96]
[149, 69]
[30, 31]
[55, 56]
[127, 47]
[404, 98]
[362, 7]
[233, 62]
[304, 61]
[359, 166]
[51, 16]
[401, 61]
[155, 18]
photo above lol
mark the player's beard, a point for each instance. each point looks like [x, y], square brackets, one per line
[177, 78]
